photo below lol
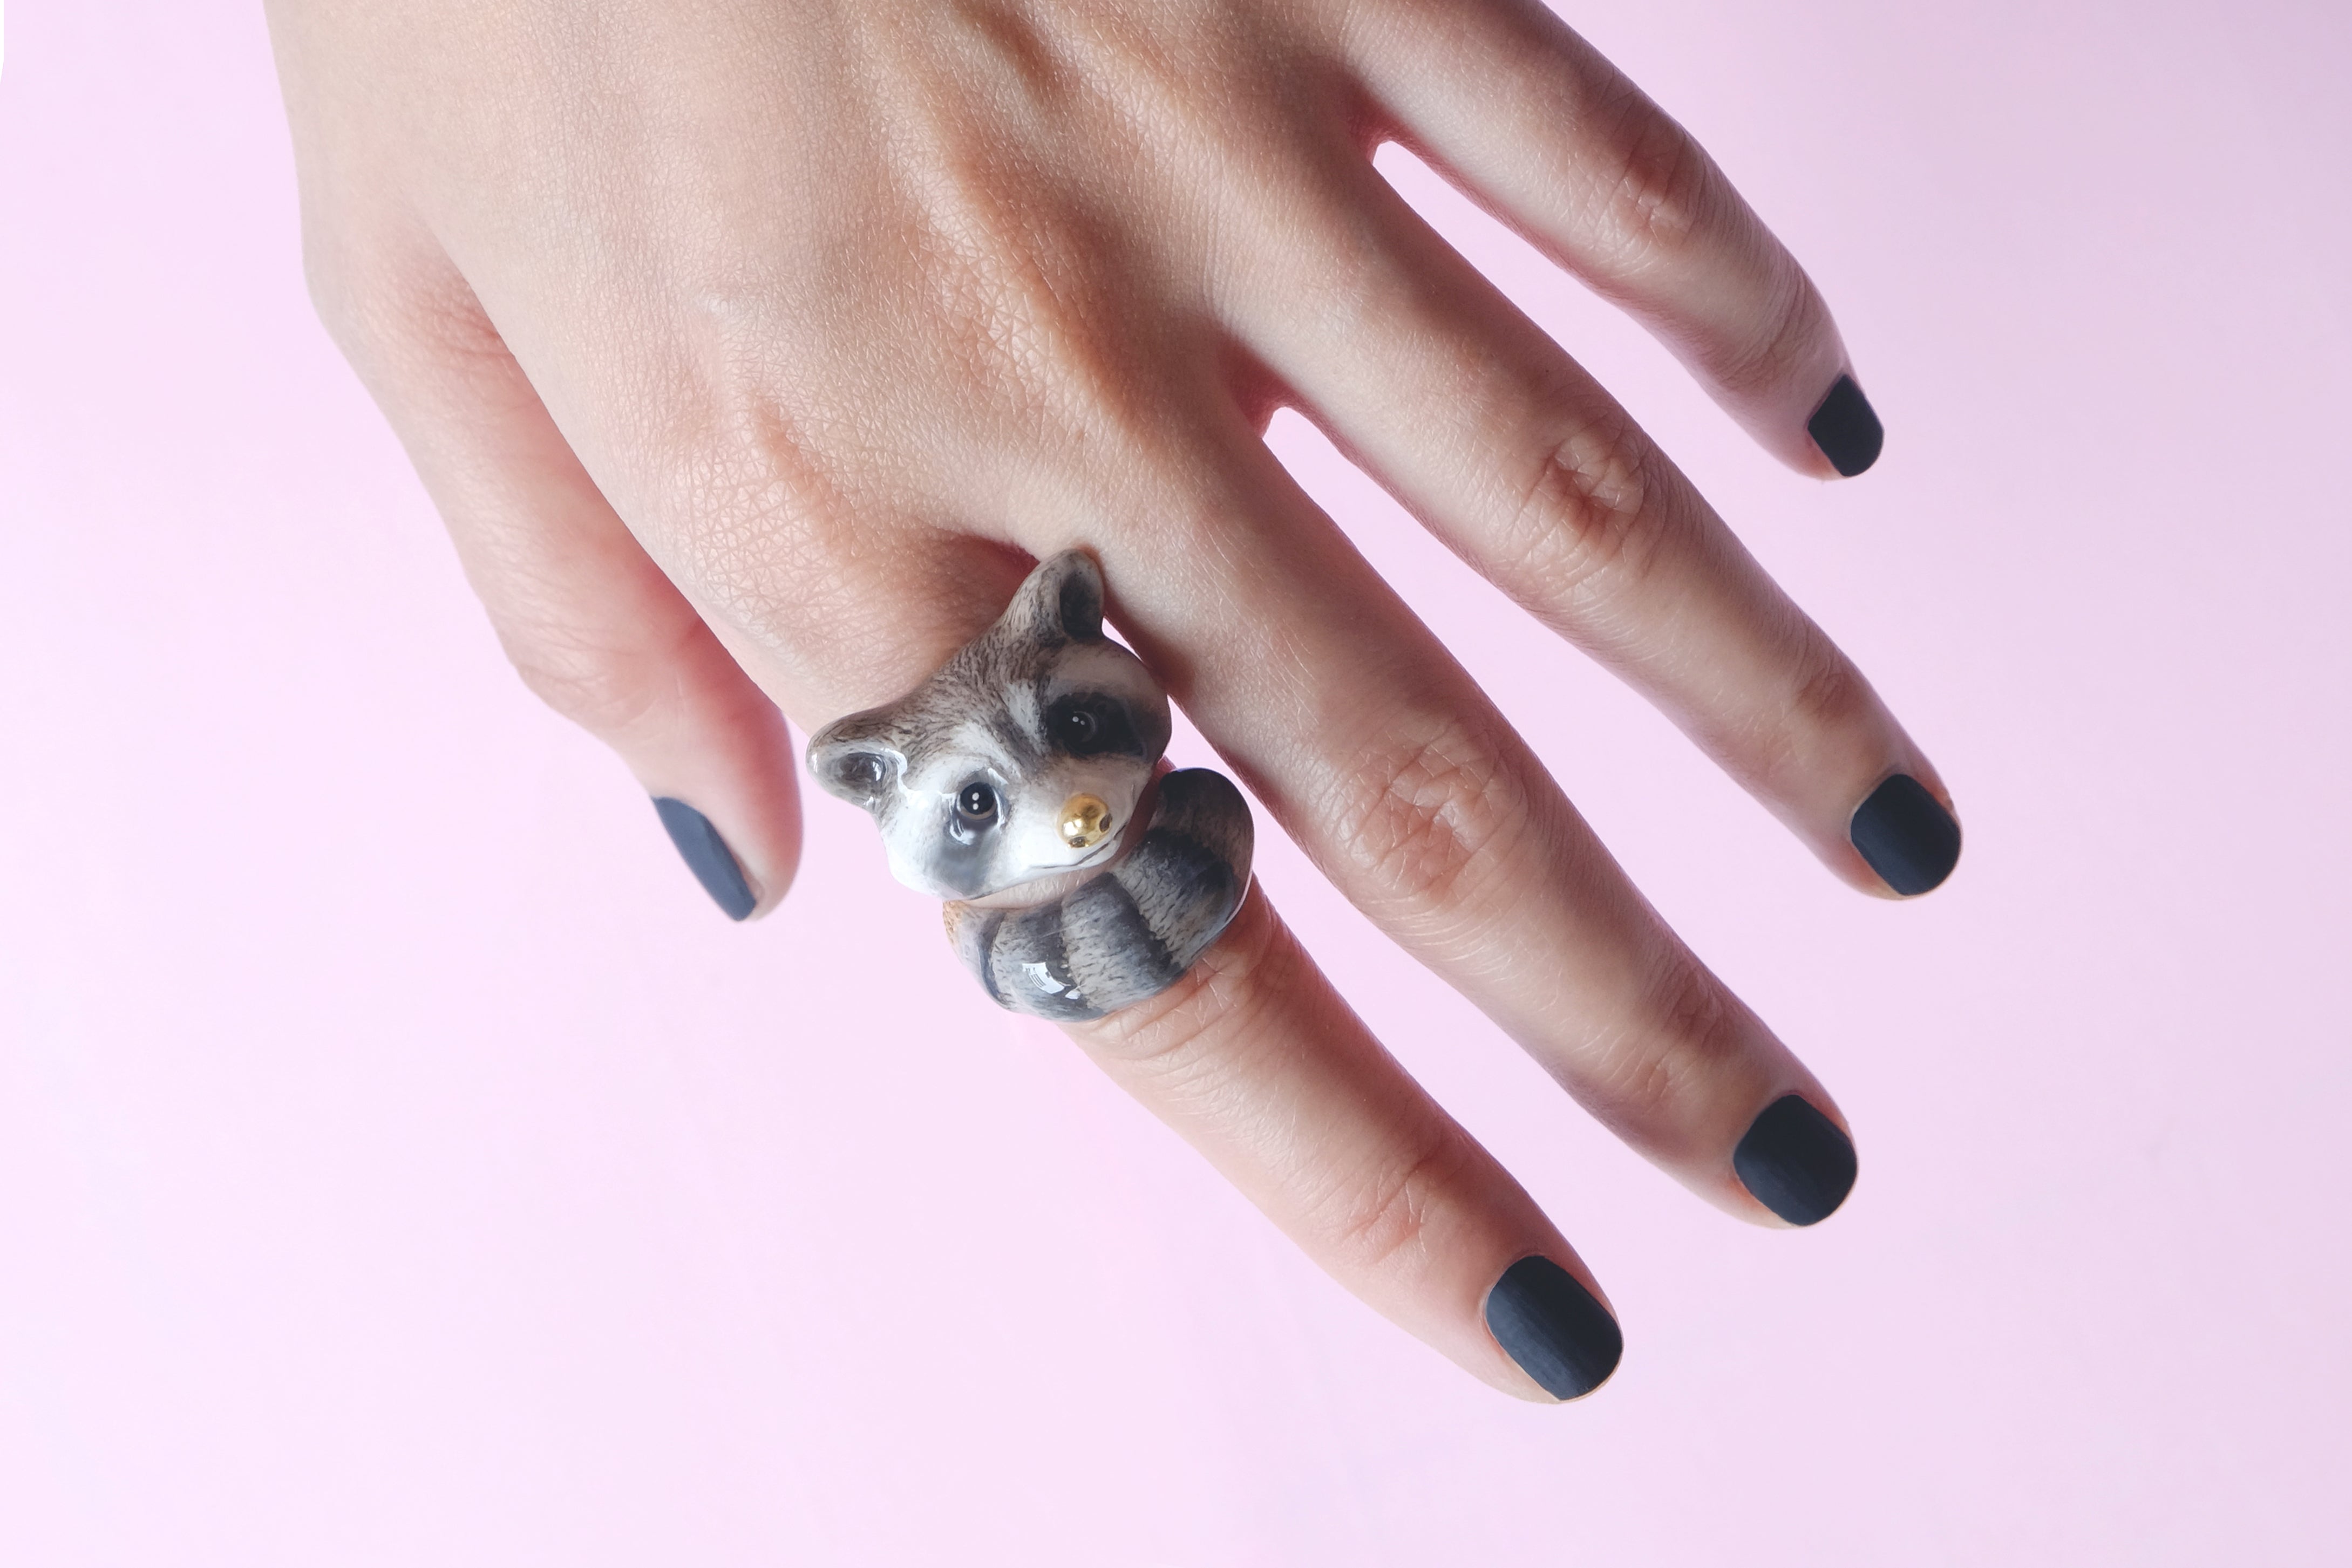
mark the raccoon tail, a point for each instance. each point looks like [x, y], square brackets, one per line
[1130, 932]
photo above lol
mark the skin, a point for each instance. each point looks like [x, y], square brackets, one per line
[752, 352]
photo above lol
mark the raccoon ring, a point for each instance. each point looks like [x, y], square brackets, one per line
[1019, 784]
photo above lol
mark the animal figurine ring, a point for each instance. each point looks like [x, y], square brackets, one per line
[1021, 783]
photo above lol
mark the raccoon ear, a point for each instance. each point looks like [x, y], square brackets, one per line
[1062, 600]
[857, 759]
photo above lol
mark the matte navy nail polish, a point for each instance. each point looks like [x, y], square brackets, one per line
[1796, 1161]
[1906, 834]
[707, 856]
[1552, 1327]
[1846, 428]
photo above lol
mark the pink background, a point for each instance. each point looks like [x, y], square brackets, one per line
[401, 1163]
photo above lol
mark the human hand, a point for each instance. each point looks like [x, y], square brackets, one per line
[754, 352]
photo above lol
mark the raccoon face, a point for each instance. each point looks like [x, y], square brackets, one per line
[1026, 756]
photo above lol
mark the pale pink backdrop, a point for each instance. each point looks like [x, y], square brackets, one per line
[402, 1164]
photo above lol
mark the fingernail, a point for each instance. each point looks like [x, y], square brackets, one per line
[1906, 834]
[1552, 1326]
[1846, 428]
[707, 856]
[1796, 1161]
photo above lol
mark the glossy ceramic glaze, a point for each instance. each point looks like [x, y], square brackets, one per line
[1019, 784]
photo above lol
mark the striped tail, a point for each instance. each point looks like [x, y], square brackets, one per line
[1130, 932]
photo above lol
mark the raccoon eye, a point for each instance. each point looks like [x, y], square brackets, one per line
[1091, 726]
[976, 805]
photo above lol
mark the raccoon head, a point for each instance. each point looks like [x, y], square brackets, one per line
[1023, 758]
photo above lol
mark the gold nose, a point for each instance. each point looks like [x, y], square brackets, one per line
[1086, 821]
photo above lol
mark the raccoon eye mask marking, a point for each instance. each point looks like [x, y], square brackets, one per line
[1009, 784]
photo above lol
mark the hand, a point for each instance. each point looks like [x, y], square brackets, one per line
[754, 351]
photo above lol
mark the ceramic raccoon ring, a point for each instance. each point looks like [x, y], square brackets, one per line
[1020, 783]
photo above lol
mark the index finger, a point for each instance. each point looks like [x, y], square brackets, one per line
[1534, 123]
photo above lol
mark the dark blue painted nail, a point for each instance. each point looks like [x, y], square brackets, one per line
[1552, 1326]
[1796, 1162]
[1906, 834]
[1846, 428]
[707, 856]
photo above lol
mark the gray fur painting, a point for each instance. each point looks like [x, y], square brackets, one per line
[1020, 784]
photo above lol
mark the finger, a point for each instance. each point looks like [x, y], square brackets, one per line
[1509, 451]
[1255, 1060]
[1394, 771]
[1531, 120]
[589, 621]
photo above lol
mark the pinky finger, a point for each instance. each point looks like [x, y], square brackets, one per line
[1257, 1061]
[591, 624]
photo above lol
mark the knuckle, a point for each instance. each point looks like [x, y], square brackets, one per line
[1036, 300]
[748, 511]
[1385, 1213]
[1785, 339]
[601, 693]
[1831, 694]
[1585, 512]
[343, 279]
[391, 313]
[1693, 1030]
[1430, 813]
[1826, 697]
[327, 276]
[1664, 191]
